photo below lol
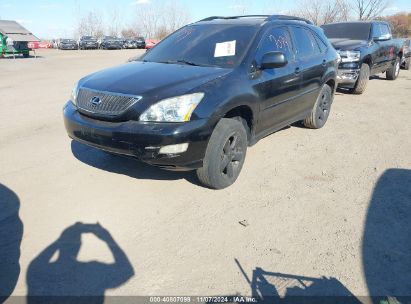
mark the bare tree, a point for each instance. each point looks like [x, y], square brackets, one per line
[369, 9]
[400, 24]
[158, 19]
[149, 17]
[174, 16]
[321, 12]
[130, 32]
[239, 7]
[114, 22]
[90, 24]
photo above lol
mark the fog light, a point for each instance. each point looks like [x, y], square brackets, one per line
[174, 149]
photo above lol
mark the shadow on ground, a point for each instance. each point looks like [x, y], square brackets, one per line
[67, 280]
[11, 233]
[126, 165]
[275, 287]
[387, 237]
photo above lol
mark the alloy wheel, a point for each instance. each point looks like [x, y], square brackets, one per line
[231, 156]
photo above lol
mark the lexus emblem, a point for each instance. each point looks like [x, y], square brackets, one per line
[95, 101]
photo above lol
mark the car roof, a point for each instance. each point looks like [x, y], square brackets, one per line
[253, 20]
[358, 22]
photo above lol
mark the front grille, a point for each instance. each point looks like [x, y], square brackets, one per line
[104, 103]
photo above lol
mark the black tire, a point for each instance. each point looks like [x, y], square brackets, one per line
[362, 80]
[393, 72]
[321, 110]
[407, 64]
[225, 154]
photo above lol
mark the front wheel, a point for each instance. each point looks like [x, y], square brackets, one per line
[362, 80]
[393, 72]
[225, 154]
[321, 110]
[407, 64]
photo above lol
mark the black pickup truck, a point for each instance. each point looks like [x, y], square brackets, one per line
[366, 48]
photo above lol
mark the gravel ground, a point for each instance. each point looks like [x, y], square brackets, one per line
[330, 207]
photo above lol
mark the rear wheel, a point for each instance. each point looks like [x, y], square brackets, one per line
[225, 154]
[321, 110]
[362, 80]
[393, 72]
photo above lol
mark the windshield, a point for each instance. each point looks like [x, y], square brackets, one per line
[353, 31]
[205, 45]
[67, 41]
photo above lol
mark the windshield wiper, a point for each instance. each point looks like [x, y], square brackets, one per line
[180, 61]
[187, 62]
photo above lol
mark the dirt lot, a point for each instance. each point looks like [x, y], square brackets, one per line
[331, 207]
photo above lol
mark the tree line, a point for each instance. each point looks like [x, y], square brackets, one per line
[157, 19]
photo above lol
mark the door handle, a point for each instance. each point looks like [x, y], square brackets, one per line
[297, 71]
[324, 63]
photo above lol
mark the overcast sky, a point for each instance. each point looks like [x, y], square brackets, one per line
[47, 18]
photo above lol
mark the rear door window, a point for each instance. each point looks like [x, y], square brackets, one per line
[323, 47]
[305, 43]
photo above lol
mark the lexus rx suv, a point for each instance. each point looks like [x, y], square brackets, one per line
[208, 91]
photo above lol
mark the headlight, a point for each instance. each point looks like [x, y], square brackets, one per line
[74, 94]
[176, 109]
[350, 56]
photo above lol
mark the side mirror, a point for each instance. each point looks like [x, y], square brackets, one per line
[382, 38]
[273, 60]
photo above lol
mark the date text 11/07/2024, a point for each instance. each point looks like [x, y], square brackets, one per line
[203, 299]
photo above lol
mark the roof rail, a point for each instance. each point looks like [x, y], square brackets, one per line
[233, 17]
[285, 17]
[268, 18]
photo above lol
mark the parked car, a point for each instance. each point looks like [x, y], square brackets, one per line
[68, 44]
[111, 43]
[130, 44]
[150, 43]
[185, 105]
[141, 43]
[406, 58]
[366, 49]
[39, 45]
[88, 42]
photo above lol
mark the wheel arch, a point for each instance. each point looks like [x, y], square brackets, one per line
[245, 112]
[368, 60]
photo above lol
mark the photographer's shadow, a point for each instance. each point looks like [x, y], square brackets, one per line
[11, 234]
[125, 165]
[66, 277]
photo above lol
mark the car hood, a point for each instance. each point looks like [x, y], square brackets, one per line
[347, 44]
[149, 79]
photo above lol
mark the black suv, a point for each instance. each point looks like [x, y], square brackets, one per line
[111, 43]
[88, 42]
[68, 44]
[141, 43]
[206, 92]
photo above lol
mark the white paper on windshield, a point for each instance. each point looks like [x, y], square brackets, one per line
[225, 49]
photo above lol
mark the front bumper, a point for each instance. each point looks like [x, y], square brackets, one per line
[347, 77]
[89, 46]
[142, 140]
[68, 47]
[113, 46]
